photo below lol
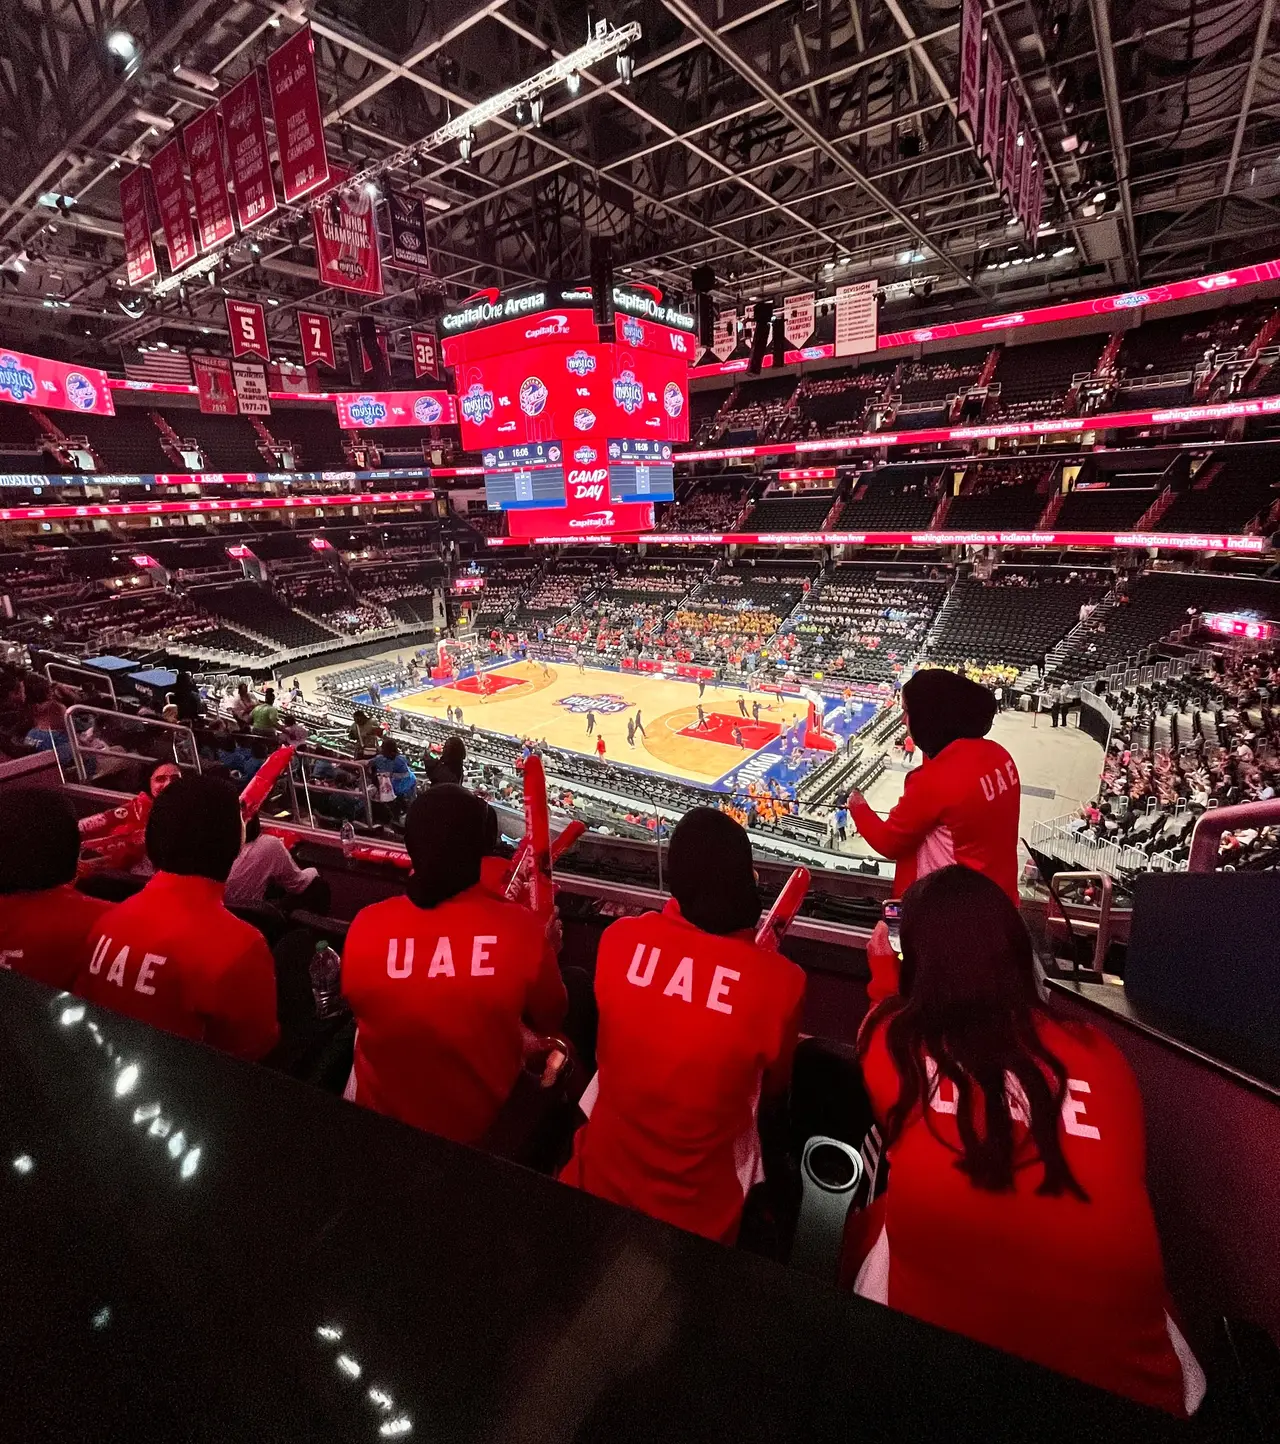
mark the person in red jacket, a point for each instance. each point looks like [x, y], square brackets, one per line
[44, 921]
[1016, 1210]
[441, 980]
[172, 955]
[695, 1023]
[962, 803]
[117, 838]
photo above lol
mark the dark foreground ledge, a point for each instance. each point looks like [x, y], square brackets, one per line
[216, 1253]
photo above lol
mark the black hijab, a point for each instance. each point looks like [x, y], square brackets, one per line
[445, 833]
[942, 706]
[712, 873]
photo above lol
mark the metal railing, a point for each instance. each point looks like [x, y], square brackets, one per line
[99, 679]
[314, 781]
[1206, 840]
[178, 741]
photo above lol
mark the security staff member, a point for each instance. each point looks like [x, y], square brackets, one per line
[44, 921]
[440, 980]
[172, 955]
[695, 1021]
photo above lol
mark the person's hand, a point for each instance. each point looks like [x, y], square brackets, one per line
[856, 799]
[555, 932]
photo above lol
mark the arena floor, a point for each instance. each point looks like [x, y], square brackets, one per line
[552, 706]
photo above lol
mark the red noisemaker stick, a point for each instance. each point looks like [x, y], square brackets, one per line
[783, 912]
[262, 781]
[537, 827]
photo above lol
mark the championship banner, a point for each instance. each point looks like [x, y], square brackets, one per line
[366, 410]
[135, 221]
[1026, 182]
[247, 147]
[252, 395]
[41, 382]
[346, 228]
[215, 385]
[208, 179]
[170, 183]
[426, 354]
[316, 331]
[1036, 206]
[856, 318]
[247, 322]
[970, 63]
[724, 336]
[798, 317]
[991, 107]
[408, 233]
[295, 103]
[1009, 164]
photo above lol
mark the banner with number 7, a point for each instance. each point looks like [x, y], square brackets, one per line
[316, 331]
[247, 322]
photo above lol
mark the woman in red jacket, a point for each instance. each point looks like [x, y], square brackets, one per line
[1016, 1210]
[962, 803]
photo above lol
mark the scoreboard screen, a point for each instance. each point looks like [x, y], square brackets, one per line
[528, 477]
[641, 470]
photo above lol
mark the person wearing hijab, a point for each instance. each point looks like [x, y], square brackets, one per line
[696, 1022]
[961, 805]
[44, 921]
[441, 980]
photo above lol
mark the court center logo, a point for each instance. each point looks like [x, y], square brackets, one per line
[582, 703]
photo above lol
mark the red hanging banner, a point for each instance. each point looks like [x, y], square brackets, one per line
[991, 106]
[170, 182]
[247, 147]
[426, 354]
[135, 220]
[970, 63]
[295, 103]
[247, 322]
[1009, 163]
[208, 179]
[316, 331]
[346, 227]
[215, 385]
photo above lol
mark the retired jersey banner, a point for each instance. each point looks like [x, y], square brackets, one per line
[426, 354]
[1009, 163]
[1036, 205]
[215, 385]
[135, 221]
[408, 233]
[208, 179]
[316, 331]
[366, 410]
[798, 317]
[990, 146]
[724, 336]
[247, 322]
[295, 103]
[1026, 183]
[970, 63]
[170, 182]
[247, 148]
[252, 395]
[346, 228]
[40, 382]
[856, 318]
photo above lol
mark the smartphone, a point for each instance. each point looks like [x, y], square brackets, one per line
[891, 911]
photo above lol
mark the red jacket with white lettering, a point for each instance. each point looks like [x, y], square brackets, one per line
[690, 1024]
[960, 805]
[43, 934]
[1078, 1287]
[438, 996]
[174, 957]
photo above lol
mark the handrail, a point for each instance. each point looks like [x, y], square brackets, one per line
[1206, 839]
[84, 672]
[148, 724]
[1103, 924]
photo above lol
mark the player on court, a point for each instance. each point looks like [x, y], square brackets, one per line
[577, 657]
[600, 746]
[755, 712]
[591, 722]
[441, 980]
[703, 724]
[695, 1023]
[631, 732]
[742, 706]
[640, 726]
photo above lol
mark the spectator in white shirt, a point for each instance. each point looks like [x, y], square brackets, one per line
[264, 862]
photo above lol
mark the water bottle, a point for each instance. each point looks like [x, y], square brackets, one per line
[348, 835]
[326, 980]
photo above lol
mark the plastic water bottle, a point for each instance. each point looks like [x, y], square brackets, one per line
[348, 835]
[326, 980]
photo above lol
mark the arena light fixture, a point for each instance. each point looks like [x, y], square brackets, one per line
[573, 83]
[198, 78]
[122, 45]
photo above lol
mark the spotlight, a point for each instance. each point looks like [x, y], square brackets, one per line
[371, 189]
[626, 68]
[535, 113]
[122, 45]
[574, 83]
[465, 143]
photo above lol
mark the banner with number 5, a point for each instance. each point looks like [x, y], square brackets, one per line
[247, 322]
[316, 331]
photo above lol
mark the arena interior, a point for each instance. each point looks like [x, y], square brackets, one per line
[655, 391]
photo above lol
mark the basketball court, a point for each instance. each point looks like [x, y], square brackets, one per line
[522, 699]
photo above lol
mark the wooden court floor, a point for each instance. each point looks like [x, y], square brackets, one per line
[535, 707]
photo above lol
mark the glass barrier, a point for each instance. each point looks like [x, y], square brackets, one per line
[110, 749]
